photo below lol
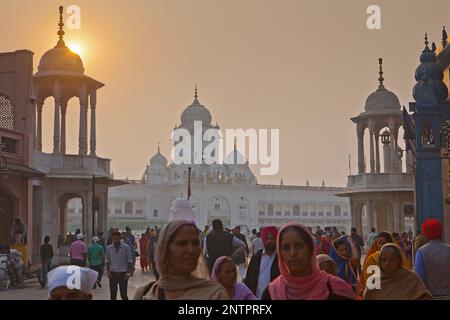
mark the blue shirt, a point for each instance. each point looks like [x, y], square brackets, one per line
[419, 266]
[264, 273]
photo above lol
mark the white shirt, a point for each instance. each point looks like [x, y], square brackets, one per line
[264, 273]
[257, 244]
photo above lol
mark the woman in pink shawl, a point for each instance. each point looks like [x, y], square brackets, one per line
[301, 277]
[224, 272]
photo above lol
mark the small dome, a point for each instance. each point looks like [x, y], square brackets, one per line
[59, 60]
[382, 99]
[158, 160]
[195, 112]
[235, 157]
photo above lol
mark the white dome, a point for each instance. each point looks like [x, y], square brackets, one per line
[195, 112]
[158, 160]
[235, 157]
[382, 99]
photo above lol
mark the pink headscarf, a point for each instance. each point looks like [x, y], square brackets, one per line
[266, 230]
[312, 287]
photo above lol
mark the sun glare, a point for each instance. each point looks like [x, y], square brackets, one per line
[76, 48]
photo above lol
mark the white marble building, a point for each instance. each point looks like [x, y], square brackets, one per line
[226, 191]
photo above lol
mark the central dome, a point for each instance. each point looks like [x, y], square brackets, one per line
[158, 160]
[196, 112]
[59, 60]
[382, 99]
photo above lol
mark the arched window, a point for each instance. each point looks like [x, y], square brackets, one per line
[337, 211]
[270, 210]
[6, 113]
[296, 210]
[128, 208]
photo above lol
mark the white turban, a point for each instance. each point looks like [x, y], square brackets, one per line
[181, 210]
[80, 236]
[72, 277]
[95, 239]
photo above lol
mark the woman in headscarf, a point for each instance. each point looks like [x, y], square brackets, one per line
[325, 244]
[372, 258]
[327, 264]
[301, 278]
[342, 250]
[224, 272]
[397, 282]
[178, 252]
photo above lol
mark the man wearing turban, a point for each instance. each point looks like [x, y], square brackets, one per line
[263, 267]
[432, 262]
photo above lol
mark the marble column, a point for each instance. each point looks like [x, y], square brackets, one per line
[377, 151]
[63, 127]
[361, 164]
[82, 139]
[39, 106]
[56, 124]
[93, 100]
[372, 150]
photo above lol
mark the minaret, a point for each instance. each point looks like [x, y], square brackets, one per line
[430, 109]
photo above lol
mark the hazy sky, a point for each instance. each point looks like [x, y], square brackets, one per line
[304, 67]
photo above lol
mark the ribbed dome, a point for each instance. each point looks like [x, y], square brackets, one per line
[382, 99]
[158, 160]
[59, 60]
[195, 112]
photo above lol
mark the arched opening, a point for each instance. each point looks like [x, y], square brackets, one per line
[74, 216]
[48, 113]
[128, 207]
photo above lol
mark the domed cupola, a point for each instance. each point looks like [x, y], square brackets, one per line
[195, 112]
[382, 99]
[60, 60]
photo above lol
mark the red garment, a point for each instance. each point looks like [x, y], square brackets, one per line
[266, 230]
[312, 287]
[432, 229]
[143, 246]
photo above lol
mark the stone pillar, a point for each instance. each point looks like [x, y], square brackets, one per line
[387, 157]
[394, 156]
[56, 127]
[372, 150]
[93, 100]
[82, 140]
[361, 164]
[40, 104]
[377, 151]
[369, 211]
[33, 125]
[63, 127]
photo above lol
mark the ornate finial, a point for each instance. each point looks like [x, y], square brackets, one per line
[307, 182]
[444, 37]
[433, 47]
[61, 32]
[323, 183]
[381, 79]
[426, 41]
[235, 143]
[196, 92]
[158, 146]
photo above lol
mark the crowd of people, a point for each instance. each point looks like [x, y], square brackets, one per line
[287, 263]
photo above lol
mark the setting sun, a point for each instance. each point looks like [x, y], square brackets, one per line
[76, 48]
